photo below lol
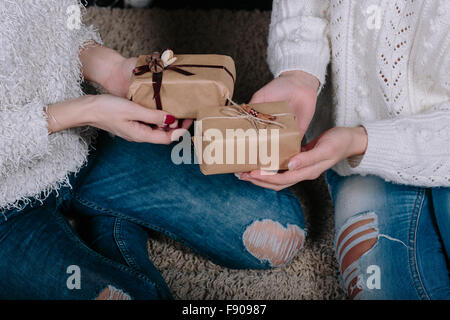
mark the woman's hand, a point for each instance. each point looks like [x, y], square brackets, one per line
[299, 89]
[118, 116]
[108, 68]
[318, 156]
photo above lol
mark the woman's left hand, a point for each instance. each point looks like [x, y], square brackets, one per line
[318, 156]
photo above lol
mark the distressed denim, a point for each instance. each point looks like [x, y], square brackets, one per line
[392, 241]
[125, 190]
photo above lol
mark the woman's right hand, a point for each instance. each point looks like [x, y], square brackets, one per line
[118, 116]
[299, 89]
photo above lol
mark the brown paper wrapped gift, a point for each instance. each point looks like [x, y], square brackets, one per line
[218, 145]
[190, 83]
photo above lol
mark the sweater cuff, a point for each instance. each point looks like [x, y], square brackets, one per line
[88, 34]
[380, 155]
[304, 63]
[24, 135]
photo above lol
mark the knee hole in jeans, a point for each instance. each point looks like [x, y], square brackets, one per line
[112, 293]
[356, 238]
[269, 241]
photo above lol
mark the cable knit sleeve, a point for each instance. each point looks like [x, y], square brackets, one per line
[298, 37]
[413, 150]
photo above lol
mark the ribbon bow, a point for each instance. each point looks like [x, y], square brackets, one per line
[157, 64]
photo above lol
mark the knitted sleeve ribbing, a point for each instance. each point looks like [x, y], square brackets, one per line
[298, 37]
[413, 150]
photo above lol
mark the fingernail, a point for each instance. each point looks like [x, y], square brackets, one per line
[174, 125]
[238, 176]
[293, 165]
[169, 119]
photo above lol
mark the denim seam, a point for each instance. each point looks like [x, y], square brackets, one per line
[60, 220]
[116, 214]
[413, 263]
[117, 235]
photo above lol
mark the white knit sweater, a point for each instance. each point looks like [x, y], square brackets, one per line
[39, 66]
[390, 73]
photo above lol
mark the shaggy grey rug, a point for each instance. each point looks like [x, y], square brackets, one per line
[243, 35]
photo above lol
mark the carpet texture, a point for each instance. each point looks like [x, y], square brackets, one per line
[313, 274]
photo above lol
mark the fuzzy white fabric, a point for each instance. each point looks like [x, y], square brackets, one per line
[390, 73]
[39, 66]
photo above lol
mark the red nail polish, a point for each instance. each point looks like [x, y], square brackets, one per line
[169, 119]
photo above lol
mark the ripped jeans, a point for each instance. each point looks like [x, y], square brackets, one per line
[392, 241]
[125, 190]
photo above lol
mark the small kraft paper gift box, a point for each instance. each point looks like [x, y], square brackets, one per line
[182, 84]
[242, 138]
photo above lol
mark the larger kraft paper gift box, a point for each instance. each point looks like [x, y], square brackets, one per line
[182, 84]
[232, 140]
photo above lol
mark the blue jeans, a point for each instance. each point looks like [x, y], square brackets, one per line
[125, 190]
[392, 241]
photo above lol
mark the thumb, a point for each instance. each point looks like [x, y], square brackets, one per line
[308, 158]
[258, 97]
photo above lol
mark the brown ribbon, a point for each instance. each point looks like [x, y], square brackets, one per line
[158, 76]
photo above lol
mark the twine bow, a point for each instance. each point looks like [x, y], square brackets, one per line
[256, 118]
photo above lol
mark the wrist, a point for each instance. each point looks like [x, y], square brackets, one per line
[70, 114]
[101, 64]
[359, 141]
[113, 70]
[89, 110]
[303, 78]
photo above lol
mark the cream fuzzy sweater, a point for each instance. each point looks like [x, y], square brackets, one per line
[39, 65]
[390, 73]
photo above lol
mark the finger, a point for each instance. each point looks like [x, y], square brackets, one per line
[158, 137]
[309, 158]
[186, 124]
[293, 177]
[174, 125]
[278, 179]
[143, 133]
[263, 184]
[156, 117]
[258, 97]
[166, 127]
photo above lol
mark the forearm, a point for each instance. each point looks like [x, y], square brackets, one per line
[70, 114]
